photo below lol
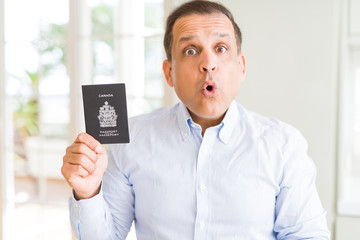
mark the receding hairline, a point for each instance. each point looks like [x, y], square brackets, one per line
[192, 36]
[197, 7]
[222, 21]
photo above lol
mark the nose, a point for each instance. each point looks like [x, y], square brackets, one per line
[208, 69]
[208, 62]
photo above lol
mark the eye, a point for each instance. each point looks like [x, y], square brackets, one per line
[220, 49]
[190, 51]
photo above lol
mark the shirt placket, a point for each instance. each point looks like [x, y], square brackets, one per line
[202, 185]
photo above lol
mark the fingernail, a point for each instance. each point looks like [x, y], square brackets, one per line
[98, 149]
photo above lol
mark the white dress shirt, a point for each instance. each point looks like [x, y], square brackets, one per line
[248, 178]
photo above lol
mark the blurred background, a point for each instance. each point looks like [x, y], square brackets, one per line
[303, 67]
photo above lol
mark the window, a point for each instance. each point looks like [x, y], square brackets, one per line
[37, 91]
[50, 51]
[349, 114]
[121, 41]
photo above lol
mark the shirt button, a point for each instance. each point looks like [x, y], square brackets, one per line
[193, 125]
[204, 151]
[202, 187]
[202, 225]
[186, 134]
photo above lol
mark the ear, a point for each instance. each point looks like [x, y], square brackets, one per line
[167, 68]
[242, 63]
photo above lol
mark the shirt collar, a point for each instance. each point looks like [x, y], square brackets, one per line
[183, 117]
[228, 123]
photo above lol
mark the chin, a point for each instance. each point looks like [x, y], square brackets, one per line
[207, 109]
[211, 114]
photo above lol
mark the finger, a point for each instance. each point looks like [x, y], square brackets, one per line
[80, 159]
[70, 171]
[90, 141]
[81, 148]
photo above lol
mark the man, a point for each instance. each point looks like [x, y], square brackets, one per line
[205, 168]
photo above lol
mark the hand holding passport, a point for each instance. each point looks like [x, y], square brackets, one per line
[106, 113]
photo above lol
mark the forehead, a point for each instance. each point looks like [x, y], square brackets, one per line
[197, 23]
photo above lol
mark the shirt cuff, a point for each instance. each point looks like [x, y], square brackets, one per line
[88, 208]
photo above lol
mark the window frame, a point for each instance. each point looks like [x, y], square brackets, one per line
[6, 146]
[2, 124]
[346, 206]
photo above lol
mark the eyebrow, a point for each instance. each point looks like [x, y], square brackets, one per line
[185, 39]
[219, 34]
[222, 34]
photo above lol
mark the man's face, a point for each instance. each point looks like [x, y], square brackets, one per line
[206, 70]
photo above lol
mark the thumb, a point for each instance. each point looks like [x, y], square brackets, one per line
[100, 149]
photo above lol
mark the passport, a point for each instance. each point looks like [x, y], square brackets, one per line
[106, 112]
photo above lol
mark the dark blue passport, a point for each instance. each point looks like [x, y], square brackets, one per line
[106, 113]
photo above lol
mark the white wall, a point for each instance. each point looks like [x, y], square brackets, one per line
[291, 49]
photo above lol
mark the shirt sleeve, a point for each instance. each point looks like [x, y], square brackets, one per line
[89, 218]
[299, 213]
[109, 214]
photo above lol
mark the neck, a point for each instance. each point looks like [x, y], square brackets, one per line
[205, 123]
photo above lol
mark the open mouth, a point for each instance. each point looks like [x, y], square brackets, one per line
[209, 89]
